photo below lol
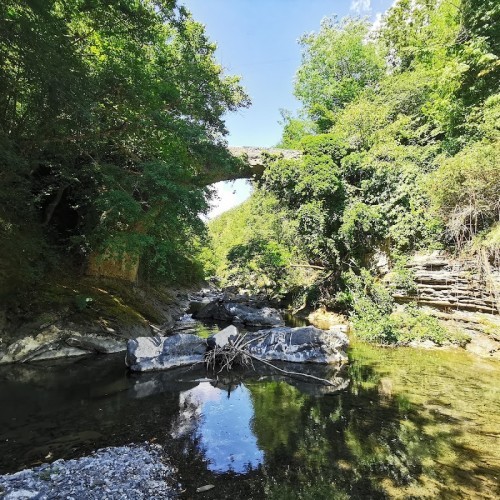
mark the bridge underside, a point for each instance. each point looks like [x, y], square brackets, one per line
[252, 164]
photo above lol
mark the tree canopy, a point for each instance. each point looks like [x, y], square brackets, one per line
[399, 130]
[109, 112]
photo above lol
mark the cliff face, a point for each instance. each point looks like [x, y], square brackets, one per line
[460, 292]
[448, 284]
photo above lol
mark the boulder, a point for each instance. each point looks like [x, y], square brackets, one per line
[223, 337]
[239, 313]
[196, 306]
[325, 320]
[300, 345]
[297, 345]
[160, 353]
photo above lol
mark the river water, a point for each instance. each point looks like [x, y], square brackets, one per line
[404, 423]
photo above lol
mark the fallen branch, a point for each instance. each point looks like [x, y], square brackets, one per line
[292, 374]
[236, 353]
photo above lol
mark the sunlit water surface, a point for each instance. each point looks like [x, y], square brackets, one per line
[407, 424]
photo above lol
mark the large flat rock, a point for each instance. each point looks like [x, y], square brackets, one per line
[300, 345]
[161, 353]
[297, 345]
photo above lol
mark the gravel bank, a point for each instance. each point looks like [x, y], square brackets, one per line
[136, 471]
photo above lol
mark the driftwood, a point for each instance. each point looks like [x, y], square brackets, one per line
[236, 353]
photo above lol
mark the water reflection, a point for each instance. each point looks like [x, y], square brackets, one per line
[219, 419]
[399, 424]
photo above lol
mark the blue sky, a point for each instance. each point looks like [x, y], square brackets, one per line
[257, 39]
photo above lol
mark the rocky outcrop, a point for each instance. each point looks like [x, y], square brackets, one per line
[234, 312]
[161, 353]
[54, 343]
[448, 284]
[461, 293]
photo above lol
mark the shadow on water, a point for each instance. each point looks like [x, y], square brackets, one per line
[400, 423]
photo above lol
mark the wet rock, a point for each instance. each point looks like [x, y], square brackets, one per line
[160, 353]
[239, 313]
[93, 343]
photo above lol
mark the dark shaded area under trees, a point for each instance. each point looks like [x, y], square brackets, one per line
[109, 113]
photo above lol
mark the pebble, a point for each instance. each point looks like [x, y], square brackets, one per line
[126, 472]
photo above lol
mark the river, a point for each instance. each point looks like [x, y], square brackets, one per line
[405, 423]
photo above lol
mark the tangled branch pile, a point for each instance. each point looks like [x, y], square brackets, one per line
[233, 353]
[236, 353]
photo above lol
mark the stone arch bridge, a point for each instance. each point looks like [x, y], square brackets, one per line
[252, 165]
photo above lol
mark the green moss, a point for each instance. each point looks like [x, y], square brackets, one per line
[69, 297]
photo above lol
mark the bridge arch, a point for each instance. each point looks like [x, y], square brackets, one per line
[252, 165]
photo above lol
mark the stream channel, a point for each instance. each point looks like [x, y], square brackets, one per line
[403, 423]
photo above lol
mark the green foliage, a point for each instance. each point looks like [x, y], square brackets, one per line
[338, 62]
[82, 302]
[294, 129]
[413, 324]
[372, 304]
[255, 246]
[403, 276]
[408, 157]
[375, 321]
[468, 198]
[110, 114]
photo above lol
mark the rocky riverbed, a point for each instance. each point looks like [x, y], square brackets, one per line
[132, 472]
[398, 423]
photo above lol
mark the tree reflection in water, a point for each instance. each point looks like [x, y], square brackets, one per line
[403, 423]
[384, 437]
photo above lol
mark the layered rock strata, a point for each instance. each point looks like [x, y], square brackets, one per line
[450, 285]
[462, 293]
